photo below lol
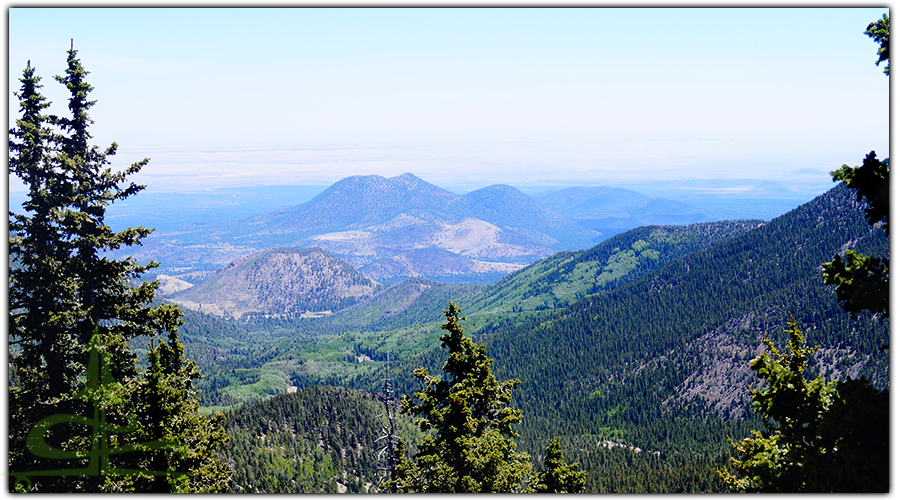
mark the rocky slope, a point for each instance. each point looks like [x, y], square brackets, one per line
[280, 281]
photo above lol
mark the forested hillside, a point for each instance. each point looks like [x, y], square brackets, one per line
[671, 346]
[318, 440]
[661, 363]
[567, 277]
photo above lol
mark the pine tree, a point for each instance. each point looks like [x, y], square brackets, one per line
[880, 32]
[72, 307]
[557, 476]
[819, 437]
[166, 406]
[468, 445]
[862, 281]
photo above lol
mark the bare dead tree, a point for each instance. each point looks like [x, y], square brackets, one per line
[388, 452]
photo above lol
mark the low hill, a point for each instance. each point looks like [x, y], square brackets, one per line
[169, 285]
[279, 281]
[507, 207]
[590, 202]
[416, 301]
[768, 189]
[652, 211]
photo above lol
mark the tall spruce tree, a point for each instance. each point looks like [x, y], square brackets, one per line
[468, 445]
[71, 305]
[557, 476]
[40, 298]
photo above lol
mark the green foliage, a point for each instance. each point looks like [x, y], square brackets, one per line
[71, 307]
[164, 402]
[871, 183]
[557, 476]
[467, 446]
[567, 277]
[773, 460]
[818, 437]
[306, 442]
[880, 31]
[861, 282]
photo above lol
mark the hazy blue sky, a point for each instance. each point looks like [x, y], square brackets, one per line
[467, 97]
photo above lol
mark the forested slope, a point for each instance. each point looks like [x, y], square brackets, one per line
[642, 365]
[318, 440]
[566, 277]
[404, 319]
[550, 283]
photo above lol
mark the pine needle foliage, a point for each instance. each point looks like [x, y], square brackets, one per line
[819, 437]
[469, 444]
[862, 281]
[72, 312]
[557, 476]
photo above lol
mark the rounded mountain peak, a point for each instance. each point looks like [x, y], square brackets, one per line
[364, 200]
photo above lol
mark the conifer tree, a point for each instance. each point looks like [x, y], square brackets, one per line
[819, 437]
[557, 476]
[40, 297]
[880, 32]
[71, 305]
[468, 444]
[167, 407]
[861, 281]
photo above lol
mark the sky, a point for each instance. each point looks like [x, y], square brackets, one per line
[464, 98]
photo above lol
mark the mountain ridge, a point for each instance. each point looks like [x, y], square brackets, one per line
[741, 289]
[391, 223]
